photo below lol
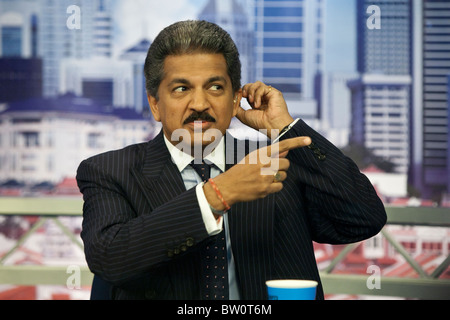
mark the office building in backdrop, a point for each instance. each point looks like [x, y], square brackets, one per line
[46, 138]
[52, 30]
[289, 45]
[98, 74]
[19, 27]
[280, 43]
[334, 106]
[234, 18]
[381, 96]
[20, 66]
[430, 158]
[60, 37]
[136, 55]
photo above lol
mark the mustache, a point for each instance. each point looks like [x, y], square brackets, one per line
[199, 116]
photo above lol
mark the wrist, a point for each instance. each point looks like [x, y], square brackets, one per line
[284, 123]
[217, 202]
[278, 127]
[219, 195]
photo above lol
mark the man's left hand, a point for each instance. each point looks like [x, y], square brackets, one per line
[268, 108]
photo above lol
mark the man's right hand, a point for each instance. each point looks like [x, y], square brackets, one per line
[259, 174]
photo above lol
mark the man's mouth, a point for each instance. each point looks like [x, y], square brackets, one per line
[200, 124]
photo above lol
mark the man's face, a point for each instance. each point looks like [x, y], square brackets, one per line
[195, 95]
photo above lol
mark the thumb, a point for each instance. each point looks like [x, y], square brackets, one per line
[240, 114]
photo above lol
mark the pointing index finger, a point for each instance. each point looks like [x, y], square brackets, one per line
[278, 149]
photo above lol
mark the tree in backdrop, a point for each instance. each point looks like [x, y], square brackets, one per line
[365, 157]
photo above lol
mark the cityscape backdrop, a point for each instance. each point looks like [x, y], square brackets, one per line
[372, 76]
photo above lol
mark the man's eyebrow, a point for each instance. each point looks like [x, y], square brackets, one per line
[216, 79]
[187, 82]
[179, 81]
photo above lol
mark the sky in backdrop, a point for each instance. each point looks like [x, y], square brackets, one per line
[139, 19]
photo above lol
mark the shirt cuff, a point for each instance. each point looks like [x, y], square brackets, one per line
[212, 226]
[289, 128]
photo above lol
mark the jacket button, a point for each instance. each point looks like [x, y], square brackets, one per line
[170, 253]
[322, 157]
[190, 242]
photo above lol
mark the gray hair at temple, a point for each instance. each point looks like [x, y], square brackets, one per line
[187, 37]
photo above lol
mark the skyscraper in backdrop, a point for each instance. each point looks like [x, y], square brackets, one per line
[232, 16]
[20, 65]
[281, 43]
[289, 44]
[381, 96]
[430, 157]
[57, 42]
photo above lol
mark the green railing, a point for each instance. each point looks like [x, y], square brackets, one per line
[47, 209]
[428, 289]
[426, 286]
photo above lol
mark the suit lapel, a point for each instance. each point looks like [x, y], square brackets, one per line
[251, 232]
[158, 176]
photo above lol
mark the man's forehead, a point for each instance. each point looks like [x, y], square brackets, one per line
[189, 66]
[205, 59]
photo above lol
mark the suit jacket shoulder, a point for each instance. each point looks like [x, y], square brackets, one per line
[127, 157]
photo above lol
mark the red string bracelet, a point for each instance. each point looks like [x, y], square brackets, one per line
[219, 195]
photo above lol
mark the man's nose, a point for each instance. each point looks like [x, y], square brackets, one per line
[199, 101]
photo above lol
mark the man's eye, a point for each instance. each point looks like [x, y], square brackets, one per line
[216, 87]
[180, 89]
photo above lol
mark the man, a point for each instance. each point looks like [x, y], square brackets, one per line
[154, 228]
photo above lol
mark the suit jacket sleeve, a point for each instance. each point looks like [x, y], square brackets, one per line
[341, 203]
[121, 241]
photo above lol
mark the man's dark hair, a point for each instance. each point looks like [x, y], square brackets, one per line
[188, 37]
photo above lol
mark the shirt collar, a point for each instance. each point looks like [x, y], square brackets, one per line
[182, 159]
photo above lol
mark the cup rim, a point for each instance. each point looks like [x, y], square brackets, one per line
[291, 283]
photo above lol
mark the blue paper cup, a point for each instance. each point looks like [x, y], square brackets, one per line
[291, 289]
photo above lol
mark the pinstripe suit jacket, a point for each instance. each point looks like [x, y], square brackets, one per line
[142, 229]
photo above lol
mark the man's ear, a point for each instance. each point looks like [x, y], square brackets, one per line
[237, 101]
[153, 102]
